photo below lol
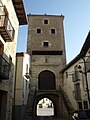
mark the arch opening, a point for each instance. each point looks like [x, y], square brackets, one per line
[45, 107]
[46, 80]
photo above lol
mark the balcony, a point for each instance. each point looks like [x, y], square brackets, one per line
[6, 29]
[4, 68]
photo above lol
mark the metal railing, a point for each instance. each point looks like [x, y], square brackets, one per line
[4, 68]
[6, 23]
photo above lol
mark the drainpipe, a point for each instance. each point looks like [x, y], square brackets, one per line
[87, 88]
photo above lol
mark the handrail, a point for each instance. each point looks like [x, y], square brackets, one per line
[8, 26]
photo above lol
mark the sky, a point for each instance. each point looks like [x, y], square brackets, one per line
[76, 22]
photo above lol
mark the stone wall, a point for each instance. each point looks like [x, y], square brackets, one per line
[9, 51]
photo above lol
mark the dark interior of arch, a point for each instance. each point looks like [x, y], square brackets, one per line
[46, 80]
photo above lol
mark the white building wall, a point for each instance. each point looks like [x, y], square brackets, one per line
[26, 81]
[22, 84]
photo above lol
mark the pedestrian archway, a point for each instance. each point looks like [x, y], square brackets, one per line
[46, 80]
[45, 107]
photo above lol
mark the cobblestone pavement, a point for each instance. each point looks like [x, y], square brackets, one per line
[48, 114]
[45, 111]
[47, 118]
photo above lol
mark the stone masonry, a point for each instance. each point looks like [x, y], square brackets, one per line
[46, 45]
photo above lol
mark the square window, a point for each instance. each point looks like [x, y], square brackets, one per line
[53, 31]
[38, 31]
[45, 21]
[45, 44]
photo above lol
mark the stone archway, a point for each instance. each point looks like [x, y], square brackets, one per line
[53, 96]
[45, 107]
[46, 80]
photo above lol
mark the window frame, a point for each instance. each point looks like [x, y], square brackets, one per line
[53, 31]
[38, 32]
[46, 22]
[45, 42]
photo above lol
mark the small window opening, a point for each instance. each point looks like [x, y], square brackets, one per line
[45, 44]
[45, 21]
[53, 31]
[38, 31]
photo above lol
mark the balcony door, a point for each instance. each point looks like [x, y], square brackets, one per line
[3, 104]
[46, 80]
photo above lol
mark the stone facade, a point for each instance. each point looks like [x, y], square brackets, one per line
[55, 41]
[46, 45]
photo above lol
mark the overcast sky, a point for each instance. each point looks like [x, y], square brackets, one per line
[76, 22]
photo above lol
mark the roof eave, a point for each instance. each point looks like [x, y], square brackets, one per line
[20, 11]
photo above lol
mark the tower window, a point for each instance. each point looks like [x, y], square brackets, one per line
[45, 44]
[53, 31]
[38, 31]
[45, 21]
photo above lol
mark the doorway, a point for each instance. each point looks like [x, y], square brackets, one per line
[3, 104]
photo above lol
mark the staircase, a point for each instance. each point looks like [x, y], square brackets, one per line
[66, 100]
[30, 104]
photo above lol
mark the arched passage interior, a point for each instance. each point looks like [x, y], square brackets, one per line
[45, 107]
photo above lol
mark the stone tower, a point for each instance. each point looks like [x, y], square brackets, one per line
[46, 45]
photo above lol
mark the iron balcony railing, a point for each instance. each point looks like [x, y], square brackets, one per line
[6, 28]
[4, 68]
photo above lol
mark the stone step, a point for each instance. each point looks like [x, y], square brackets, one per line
[29, 107]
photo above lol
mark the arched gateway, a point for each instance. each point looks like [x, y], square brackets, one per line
[45, 107]
[54, 97]
[47, 89]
